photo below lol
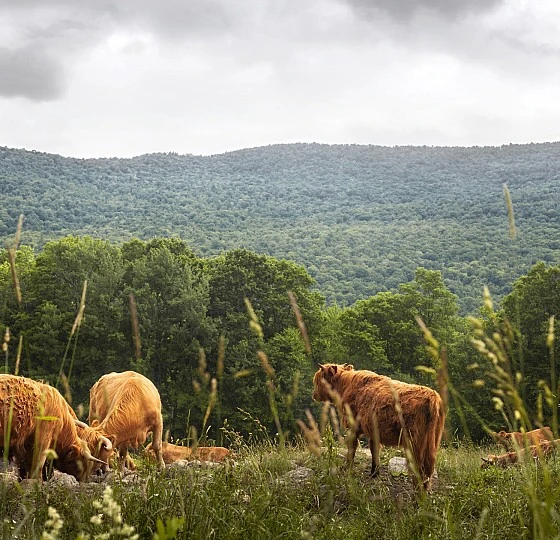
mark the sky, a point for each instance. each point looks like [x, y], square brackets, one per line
[119, 78]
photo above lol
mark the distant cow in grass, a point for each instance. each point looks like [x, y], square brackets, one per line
[173, 452]
[536, 436]
[372, 399]
[543, 449]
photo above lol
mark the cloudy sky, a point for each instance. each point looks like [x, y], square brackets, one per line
[126, 77]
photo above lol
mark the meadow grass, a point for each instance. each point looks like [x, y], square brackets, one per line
[258, 497]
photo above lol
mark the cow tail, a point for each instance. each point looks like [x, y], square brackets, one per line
[435, 423]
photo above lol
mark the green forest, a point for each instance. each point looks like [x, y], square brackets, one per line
[245, 332]
[359, 219]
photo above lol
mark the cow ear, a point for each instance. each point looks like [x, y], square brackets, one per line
[348, 367]
[484, 459]
[333, 370]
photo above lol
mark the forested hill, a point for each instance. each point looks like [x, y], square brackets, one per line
[361, 219]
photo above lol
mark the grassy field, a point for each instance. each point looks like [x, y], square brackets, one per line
[291, 493]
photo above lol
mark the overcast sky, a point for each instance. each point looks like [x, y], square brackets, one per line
[126, 77]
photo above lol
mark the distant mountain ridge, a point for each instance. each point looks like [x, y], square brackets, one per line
[359, 218]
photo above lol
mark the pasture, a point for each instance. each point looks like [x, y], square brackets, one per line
[269, 492]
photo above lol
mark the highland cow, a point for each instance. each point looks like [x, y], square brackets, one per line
[536, 436]
[173, 452]
[126, 407]
[386, 411]
[543, 449]
[35, 418]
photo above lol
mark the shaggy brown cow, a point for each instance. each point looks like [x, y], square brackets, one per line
[543, 449]
[173, 452]
[535, 436]
[126, 407]
[34, 417]
[371, 399]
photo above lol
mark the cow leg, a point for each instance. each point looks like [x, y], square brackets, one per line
[39, 458]
[157, 436]
[352, 443]
[374, 448]
[123, 458]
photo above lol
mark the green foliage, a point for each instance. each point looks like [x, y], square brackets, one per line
[381, 333]
[361, 219]
[535, 298]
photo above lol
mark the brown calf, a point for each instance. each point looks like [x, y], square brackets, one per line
[535, 436]
[543, 449]
[173, 452]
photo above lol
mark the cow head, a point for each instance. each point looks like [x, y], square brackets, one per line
[488, 461]
[99, 445]
[324, 378]
[77, 461]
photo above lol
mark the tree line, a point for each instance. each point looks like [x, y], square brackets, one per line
[253, 324]
[361, 219]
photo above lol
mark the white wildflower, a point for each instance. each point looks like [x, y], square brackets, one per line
[53, 525]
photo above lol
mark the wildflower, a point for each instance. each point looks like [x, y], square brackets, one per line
[110, 517]
[53, 525]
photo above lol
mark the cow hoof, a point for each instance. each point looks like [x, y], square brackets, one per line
[374, 473]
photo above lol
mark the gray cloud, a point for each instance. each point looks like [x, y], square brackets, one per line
[30, 74]
[407, 9]
[48, 42]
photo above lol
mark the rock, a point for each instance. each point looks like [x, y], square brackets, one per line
[184, 463]
[132, 479]
[298, 475]
[62, 479]
[398, 466]
[9, 478]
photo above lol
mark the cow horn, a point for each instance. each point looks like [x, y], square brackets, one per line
[106, 443]
[80, 423]
[87, 455]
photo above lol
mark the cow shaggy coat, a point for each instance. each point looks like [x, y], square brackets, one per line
[34, 417]
[173, 452]
[536, 436]
[544, 449]
[127, 407]
[371, 400]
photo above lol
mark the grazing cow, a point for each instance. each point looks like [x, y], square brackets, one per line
[172, 453]
[34, 417]
[536, 436]
[371, 400]
[543, 449]
[126, 407]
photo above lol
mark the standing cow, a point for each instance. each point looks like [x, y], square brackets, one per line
[126, 407]
[34, 417]
[371, 399]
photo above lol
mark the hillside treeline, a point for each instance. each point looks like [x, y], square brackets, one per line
[204, 318]
[361, 219]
